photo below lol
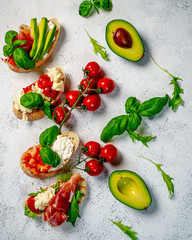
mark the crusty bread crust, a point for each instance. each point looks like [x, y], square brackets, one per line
[38, 113]
[43, 60]
[73, 137]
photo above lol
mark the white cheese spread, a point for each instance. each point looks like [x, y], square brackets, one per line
[43, 198]
[51, 24]
[36, 89]
[57, 77]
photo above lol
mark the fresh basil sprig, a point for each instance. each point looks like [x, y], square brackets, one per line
[9, 36]
[103, 4]
[85, 8]
[131, 105]
[9, 49]
[31, 100]
[49, 157]
[48, 136]
[22, 59]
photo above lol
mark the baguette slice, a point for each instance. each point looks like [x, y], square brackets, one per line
[72, 136]
[43, 60]
[38, 113]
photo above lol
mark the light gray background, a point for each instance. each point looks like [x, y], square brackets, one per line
[166, 30]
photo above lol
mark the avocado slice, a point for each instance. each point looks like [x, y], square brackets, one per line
[130, 189]
[42, 38]
[49, 40]
[35, 34]
[124, 40]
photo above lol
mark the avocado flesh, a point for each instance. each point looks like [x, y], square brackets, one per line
[130, 189]
[135, 52]
[35, 34]
[49, 40]
[42, 38]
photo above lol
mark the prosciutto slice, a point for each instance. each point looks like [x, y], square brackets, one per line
[55, 213]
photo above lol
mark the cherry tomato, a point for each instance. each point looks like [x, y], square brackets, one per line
[72, 97]
[106, 84]
[60, 114]
[44, 81]
[31, 204]
[94, 167]
[92, 69]
[92, 149]
[84, 83]
[28, 88]
[109, 152]
[49, 92]
[92, 102]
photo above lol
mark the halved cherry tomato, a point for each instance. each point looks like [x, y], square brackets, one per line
[28, 88]
[109, 152]
[31, 204]
[92, 149]
[60, 114]
[72, 97]
[49, 92]
[44, 81]
[92, 69]
[94, 167]
[84, 84]
[106, 84]
[92, 102]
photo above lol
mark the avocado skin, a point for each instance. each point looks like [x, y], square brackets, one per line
[35, 30]
[136, 52]
[114, 178]
[42, 38]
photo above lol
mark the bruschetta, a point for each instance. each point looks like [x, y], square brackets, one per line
[32, 46]
[50, 86]
[65, 145]
[53, 204]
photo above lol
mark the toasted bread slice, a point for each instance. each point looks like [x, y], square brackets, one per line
[38, 113]
[75, 140]
[43, 60]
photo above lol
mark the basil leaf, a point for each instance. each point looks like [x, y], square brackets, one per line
[17, 43]
[31, 100]
[116, 126]
[9, 36]
[152, 106]
[49, 157]
[85, 8]
[8, 50]
[134, 120]
[103, 4]
[22, 59]
[47, 104]
[48, 112]
[48, 136]
[131, 105]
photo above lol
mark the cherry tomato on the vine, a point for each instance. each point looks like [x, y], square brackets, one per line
[92, 69]
[92, 102]
[31, 204]
[109, 152]
[49, 92]
[106, 84]
[72, 97]
[60, 114]
[92, 149]
[94, 167]
[44, 81]
[84, 84]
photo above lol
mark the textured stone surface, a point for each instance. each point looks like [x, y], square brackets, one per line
[165, 27]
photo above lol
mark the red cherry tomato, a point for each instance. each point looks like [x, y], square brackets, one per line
[60, 114]
[92, 149]
[92, 102]
[72, 97]
[92, 69]
[109, 152]
[84, 84]
[49, 92]
[44, 81]
[106, 84]
[31, 204]
[94, 167]
[28, 88]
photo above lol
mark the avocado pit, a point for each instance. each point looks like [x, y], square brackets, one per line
[122, 38]
[127, 187]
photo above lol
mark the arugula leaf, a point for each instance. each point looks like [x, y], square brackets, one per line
[33, 194]
[126, 229]
[65, 177]
[56, 187]
[98, 48]
[73, 210]
[29, 213]
[167, 179]
[135, 136]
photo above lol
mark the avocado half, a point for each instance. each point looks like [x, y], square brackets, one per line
[124, 40]
[130, 189]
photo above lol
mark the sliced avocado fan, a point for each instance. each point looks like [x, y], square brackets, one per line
[35, 34]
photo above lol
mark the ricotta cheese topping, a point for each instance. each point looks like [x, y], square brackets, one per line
[63, 146]
[50, 26]
[36, 89]
[43, 198]
[57, 77]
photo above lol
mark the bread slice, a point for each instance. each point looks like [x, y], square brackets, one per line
[75, 140]
[38, 113]
[43, 60]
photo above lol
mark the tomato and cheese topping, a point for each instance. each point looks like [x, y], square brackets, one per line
[43, 198]
[57, 77]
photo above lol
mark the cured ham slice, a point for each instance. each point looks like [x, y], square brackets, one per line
[55, 213]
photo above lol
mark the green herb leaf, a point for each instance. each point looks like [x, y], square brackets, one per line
[42, 190]
[56, 187]
[167, 179]
[103, 4]
[8, 50]
[9, 36]
[29, 213]
[31, 100]
[152, 106]
[98, 48]
[17, 43]
[48, 136]
[135, 136]
[116, 126]
[22, 59]
[85, 8]
[126, 229]
[73, 210]
[65, 177]
[134, 120]
[49, 157]
[33, 194]
[132, 105]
